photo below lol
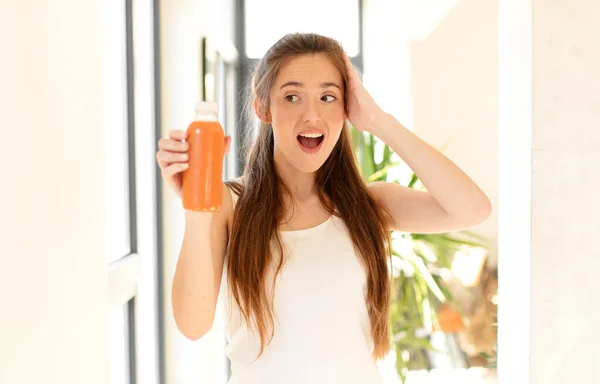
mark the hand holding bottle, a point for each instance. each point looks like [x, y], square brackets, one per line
[173, 158]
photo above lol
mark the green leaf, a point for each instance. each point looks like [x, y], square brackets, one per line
[442, 285]
[381, 174]
[456, 240]
[427, 277]
[412, 181]
[368, 159]
[413, 341]
[387, 154]
[418, 301]
[418, 289]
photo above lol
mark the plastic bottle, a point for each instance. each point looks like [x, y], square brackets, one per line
[202, 181]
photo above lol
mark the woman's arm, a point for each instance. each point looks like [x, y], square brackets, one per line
[452, 202]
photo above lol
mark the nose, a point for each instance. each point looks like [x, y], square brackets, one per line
[311, 113]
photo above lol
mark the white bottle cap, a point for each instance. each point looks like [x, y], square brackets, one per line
[207, 108]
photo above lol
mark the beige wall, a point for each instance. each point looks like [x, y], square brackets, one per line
[53, 284]
[565, 217]
[549, 90]
[454, 77]
[434, 68]
[53, 279]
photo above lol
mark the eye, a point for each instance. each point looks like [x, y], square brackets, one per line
[291, 99]
[329, 98]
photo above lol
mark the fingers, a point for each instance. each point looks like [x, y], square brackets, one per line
[227, 144]
[172, 150]
[176, 134]
[348, 63]
[174, 169]
[173, 145]
[352, 75]
[165, 158]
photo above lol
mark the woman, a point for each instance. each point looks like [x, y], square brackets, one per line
[302, 243]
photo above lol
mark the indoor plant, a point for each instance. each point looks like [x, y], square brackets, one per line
[418, 262]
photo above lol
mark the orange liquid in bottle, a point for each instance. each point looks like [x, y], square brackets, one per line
[203, 180]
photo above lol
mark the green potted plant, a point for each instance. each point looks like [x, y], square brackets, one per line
[418, 262]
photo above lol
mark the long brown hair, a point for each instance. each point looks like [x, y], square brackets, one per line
[260, 209]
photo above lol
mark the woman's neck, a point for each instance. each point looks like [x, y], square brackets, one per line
[300, 184]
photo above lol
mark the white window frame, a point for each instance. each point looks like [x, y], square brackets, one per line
[134, 279]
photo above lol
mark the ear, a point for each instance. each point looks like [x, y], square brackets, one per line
[258, 109]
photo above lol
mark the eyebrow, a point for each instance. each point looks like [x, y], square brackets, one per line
[297, 84]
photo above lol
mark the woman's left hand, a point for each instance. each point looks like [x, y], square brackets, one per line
[361, 109]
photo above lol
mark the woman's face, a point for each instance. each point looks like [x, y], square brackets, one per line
[307, 111]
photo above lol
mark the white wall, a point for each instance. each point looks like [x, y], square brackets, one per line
[514, 190]
[53, 270]
[565, 179]
[454, 83]
[434, 67]
[549, 92]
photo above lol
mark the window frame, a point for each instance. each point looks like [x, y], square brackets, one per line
[140, 289]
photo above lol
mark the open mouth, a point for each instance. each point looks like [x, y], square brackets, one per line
[310, 142]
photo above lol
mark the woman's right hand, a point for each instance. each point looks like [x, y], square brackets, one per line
[172, 158]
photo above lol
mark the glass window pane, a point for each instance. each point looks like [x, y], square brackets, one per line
[118, 345]
[115, 126]
[268, 20]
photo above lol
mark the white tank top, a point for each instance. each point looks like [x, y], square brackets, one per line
[322, 332]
